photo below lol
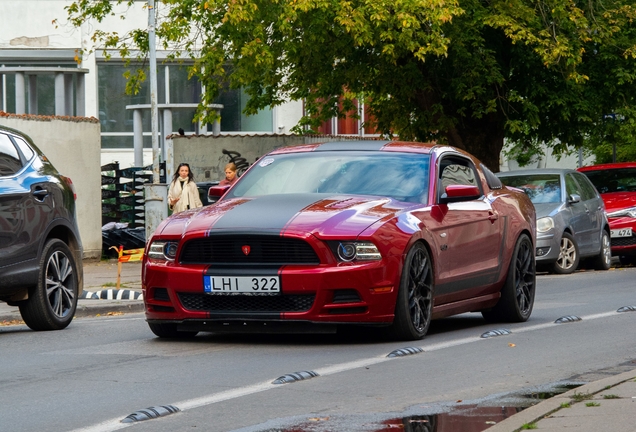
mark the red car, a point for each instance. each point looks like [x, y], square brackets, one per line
[382, 233]
[616, 182]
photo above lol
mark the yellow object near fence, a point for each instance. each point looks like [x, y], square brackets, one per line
[132, 255]
[126, 256]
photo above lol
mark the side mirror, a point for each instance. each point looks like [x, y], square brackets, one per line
[216, 192]
[457, 193]
[574, 198]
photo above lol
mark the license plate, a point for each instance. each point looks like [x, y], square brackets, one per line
[241, 284]
[623, 232]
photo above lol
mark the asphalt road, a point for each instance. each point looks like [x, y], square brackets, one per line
[99, 370]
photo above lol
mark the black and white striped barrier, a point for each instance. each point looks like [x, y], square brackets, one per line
[112, 294]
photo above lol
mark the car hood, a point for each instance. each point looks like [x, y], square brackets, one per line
[296, 214]
[547, 209]
[618, 200]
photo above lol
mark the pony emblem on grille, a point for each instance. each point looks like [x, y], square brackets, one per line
[246, 249]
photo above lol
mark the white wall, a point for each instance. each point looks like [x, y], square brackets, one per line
[73, 147]
[547, 161]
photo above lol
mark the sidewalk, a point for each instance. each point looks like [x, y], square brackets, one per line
[608, 404]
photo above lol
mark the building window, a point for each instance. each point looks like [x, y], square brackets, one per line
[117, 122]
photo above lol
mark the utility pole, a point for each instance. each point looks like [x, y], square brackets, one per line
[154, 121]
[156, 194]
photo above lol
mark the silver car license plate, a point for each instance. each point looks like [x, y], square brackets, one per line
[241, 284]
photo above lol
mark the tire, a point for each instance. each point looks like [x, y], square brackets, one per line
[568, 259]
[414, 304]
[517, 294]
[169, 331]
[603, 260]
[52, 302]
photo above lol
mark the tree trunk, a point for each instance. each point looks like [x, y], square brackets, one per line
[483, 138]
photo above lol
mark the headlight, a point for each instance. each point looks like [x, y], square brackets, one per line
[545, 224]
[629, 212]
[163, 250]
[355, 251]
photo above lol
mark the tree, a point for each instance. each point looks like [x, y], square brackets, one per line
[469, 73]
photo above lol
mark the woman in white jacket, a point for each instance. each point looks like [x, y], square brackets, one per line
[183, 193]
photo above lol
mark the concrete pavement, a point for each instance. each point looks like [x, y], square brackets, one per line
[607, 404]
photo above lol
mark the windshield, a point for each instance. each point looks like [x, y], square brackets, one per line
[402, 176]
[541, 188]
[613, 180]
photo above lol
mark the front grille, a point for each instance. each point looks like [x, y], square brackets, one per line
[624, 241]
[246, 303]
[229, 249]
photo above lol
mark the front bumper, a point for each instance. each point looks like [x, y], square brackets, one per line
[623, 245]
[547, 248]
[327, 294]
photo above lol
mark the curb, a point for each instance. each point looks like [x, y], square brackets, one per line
[537, 412]
[126, 306]
[111, 294]
[87, 309]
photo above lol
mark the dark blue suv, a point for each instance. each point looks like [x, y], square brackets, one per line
[40, 246]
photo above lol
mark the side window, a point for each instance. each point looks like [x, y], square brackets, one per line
[24, 148]
[9, 158]
[589, 192]
[456, 171]
[572, 187]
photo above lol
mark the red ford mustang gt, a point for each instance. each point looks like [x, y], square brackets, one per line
[383, 233]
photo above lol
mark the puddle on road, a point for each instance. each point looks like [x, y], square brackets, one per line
[464, 417]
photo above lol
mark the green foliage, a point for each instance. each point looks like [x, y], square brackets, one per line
[592, 404]
[529, 426]
[566, 405]
[579, 397]
[465, 72]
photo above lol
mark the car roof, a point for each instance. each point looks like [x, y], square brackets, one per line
[361, 145]
[538, 171]
[616, 165]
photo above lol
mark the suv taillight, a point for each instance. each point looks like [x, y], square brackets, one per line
[69, 182]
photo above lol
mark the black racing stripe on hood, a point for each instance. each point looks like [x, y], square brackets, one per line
[267, 212]
[352, 145]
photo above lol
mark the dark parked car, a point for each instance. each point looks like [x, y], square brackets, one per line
[203, 188]
[617, 184]
[382, 233]
[40, 247]
[571, 219]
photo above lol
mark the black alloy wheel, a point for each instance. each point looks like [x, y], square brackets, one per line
[414, 307]
[52, 302]
[517, 294]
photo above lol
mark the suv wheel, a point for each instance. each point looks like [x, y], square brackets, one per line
[52, 302]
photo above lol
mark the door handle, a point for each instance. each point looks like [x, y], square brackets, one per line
[492, 217]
